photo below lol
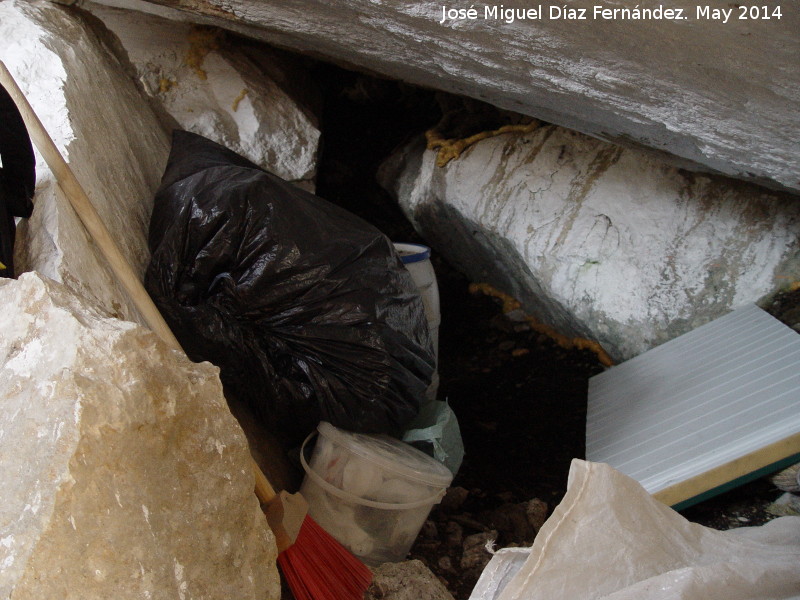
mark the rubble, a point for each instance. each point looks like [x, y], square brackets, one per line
[410, 580]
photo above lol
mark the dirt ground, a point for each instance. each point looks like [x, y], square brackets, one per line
[520, 399]
[523, 418]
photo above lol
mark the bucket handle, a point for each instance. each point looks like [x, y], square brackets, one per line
[332, 489]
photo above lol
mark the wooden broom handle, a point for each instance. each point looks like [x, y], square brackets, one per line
[99, 233]
[88, 215]
[264, 490]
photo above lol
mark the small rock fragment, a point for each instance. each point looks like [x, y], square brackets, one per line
[446, 564]
[536, 511]
[409, 580]
[476, 555]
[454, 499]
[429, 530]
[511, 520]
[455, 534]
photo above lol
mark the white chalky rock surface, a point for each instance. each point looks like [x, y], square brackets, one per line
[106, 131]
[719, 90]
[599, 241]
[214, 89]
[124, 474]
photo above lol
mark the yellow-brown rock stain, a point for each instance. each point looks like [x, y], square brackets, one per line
[451, 148]
[202, 41]
[511, 304]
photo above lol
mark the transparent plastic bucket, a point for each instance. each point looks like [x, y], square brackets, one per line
[371, 492]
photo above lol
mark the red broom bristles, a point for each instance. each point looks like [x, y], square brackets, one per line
[317, 567]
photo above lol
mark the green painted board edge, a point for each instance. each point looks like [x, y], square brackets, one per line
[721, 489]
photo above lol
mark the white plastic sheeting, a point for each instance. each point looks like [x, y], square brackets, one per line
[610, 540]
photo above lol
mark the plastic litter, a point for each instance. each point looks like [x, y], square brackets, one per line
[306, 308]
[417, 260]
[609, 539]
[502, 568]
[435, 431]
[371, 492]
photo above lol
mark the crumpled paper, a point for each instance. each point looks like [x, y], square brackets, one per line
[609, 540]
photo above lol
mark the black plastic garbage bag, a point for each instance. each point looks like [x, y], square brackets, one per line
[306, 308]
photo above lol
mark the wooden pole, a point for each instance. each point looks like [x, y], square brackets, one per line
[87, 214]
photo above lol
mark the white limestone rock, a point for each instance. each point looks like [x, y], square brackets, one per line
[217, 90]
[718, 92]
[124, 474]
[600, 241]
[105, 129]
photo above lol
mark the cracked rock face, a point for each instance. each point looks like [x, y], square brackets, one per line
[708, 90]
[124, 474]
[114, 141]
[230, 94]
[599, 241]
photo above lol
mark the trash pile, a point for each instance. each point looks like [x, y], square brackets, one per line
[317, 320]
[322, 324]
[307, 309]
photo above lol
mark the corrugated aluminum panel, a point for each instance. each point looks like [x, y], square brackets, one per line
[697, 402]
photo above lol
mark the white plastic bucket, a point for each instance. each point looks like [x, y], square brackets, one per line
[371, 492]
[416, 259]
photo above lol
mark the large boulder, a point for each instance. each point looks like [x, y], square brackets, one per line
[112, 135]
[107, 132]
[600, 241]
[124, 474]
[232, 93]
[714, 85]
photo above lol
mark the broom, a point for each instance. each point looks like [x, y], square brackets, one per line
[315, 565]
